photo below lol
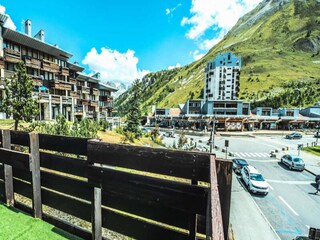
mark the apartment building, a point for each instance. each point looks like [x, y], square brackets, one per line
[222, 77]
[61, 86]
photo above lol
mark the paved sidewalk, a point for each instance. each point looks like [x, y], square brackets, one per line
[247, 220]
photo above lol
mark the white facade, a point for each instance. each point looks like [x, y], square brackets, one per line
[222, 77]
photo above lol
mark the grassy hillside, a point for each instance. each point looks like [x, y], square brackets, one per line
[279, 45]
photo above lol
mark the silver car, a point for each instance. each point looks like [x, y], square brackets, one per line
[293, 162]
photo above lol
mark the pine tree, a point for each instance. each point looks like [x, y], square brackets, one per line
[134, 112]
[19, 101]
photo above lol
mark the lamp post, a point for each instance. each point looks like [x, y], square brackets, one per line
[317, 136]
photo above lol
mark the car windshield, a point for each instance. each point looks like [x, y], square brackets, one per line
[256, 177]
[297, 160]
[242, 162]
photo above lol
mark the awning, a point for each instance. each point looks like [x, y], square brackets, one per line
[43, 88]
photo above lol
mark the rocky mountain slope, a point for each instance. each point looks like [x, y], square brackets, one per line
[279, 43]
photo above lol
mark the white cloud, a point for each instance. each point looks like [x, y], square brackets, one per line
[197, 55]
[215, 14]
[207, 44]
[176, 66]
[9, 23]
[113, 65]
[171, 10]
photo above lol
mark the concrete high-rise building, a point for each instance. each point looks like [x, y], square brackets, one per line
[222, 77]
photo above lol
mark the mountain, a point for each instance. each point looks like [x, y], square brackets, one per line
[279, 43]
[122, 88]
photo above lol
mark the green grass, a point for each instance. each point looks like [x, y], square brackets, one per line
[313, 150]
[14, 224]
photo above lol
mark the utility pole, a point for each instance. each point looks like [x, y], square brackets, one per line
[317, 136]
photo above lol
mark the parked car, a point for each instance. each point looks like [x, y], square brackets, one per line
[254, 180]
[317, 135]
[294, 135]
[238, 164]
[293, 162]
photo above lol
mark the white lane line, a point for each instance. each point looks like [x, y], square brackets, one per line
[290, 182]
[270, 187]
[258, 154]
[242, 155]
[265, 154]
[236, 154]
[287, 204]
[261, 161]
[252, 154]
[246, 154]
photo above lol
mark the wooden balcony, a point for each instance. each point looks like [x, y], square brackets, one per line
[64, 71]
[74, 94]
[93, 103]
[66, 100]
[85, 90]
[105, 98]
[58, 84]
[55, 98]
[73, 81]
[37, 81]
[78, 110]
[94, 91]
[8, 51]
[50, 66]
[8, 73]
[84, 102]
[32, 62]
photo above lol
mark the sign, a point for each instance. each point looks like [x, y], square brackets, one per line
[226, 143]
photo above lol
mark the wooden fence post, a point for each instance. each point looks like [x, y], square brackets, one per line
[214, 218]
[8, 176]
[36, 178]
[96, 214]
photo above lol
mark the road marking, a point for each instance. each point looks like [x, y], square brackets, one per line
[247, 154]
[256, 160]
[259, 154]
[265, 154]
[242, 155]
[270, 187]
[290, 182]
[237, 154]
[252, 154]
[308, 226]
[287, 204]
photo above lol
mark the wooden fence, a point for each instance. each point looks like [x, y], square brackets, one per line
[139, 192]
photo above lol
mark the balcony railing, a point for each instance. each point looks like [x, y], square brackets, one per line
[8, 73]
[1, 62]
[55, 98]
[85, 90]
[84, 102]
[72, 81]
[90, 114]
[74, 94]
[58, 84]
[12, 52]
[37, 81]
[105, 98]
[64, 70]
[78, 110]
[32, 62]
[66, 100]
[95, 91]
[50, 66]
[94, 103]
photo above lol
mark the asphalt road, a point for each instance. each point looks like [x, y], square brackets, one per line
[291, 206]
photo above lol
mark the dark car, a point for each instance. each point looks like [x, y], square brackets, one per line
[294, 136]
[238, 164]
[317, 135]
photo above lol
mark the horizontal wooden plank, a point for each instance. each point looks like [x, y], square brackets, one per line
[175, 195]
[63, 164]
[190, 165]
[138, 229]
[15, 159]
[20, 138]
[59, 223]
[67, 185]
[64, 144]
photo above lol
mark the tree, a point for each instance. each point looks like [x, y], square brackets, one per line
[182, 139]
[134, 112]
[19, 101]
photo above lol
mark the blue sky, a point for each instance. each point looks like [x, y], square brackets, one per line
[126, 39]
